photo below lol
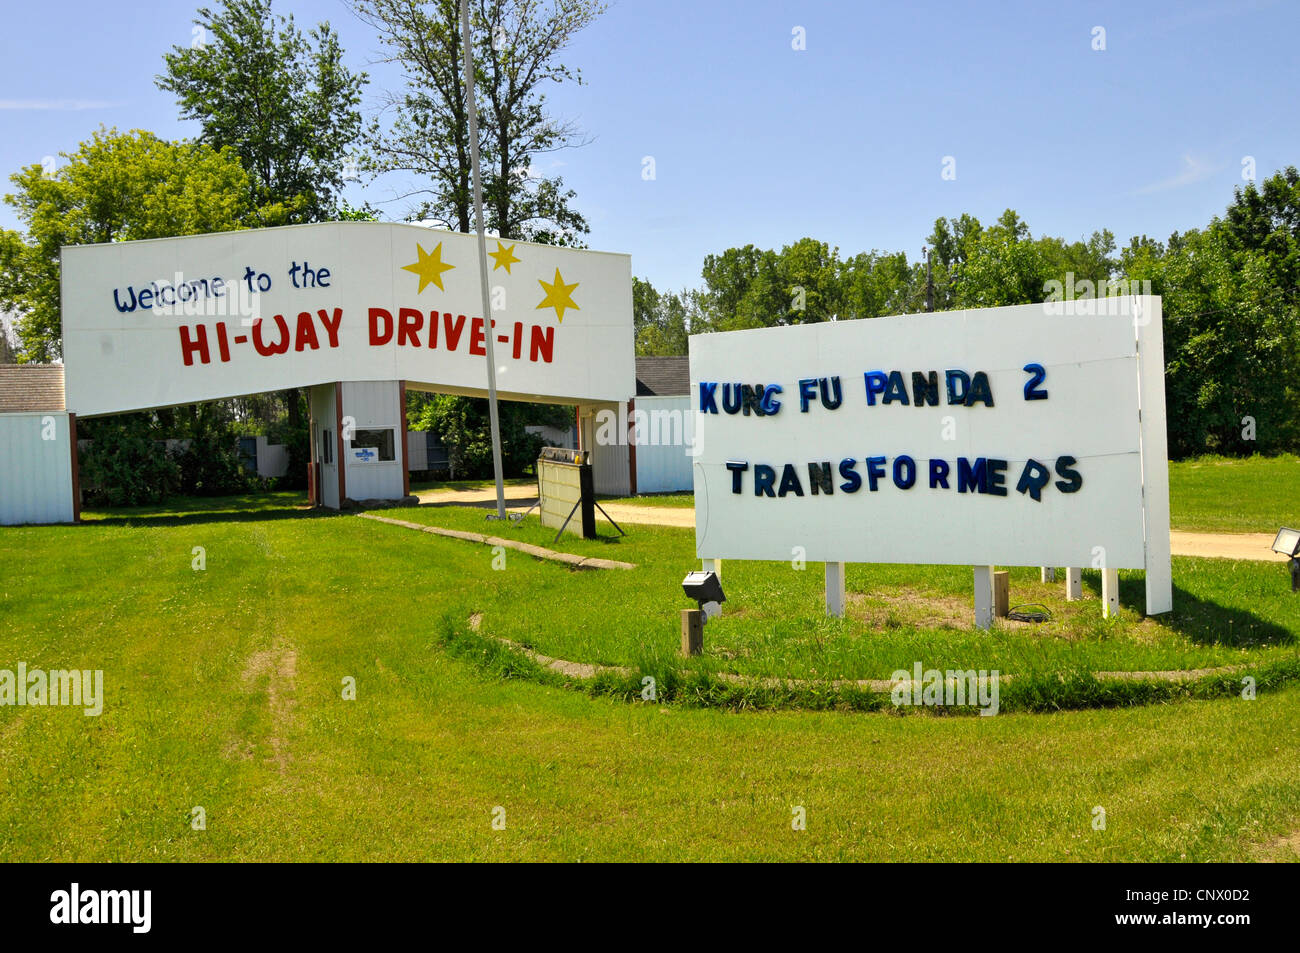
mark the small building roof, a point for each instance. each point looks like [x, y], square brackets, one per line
[663, 376]
[31, 387]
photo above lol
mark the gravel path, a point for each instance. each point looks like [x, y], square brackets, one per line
[1220, 545]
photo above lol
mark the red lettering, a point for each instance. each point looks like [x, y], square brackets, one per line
[266, 350]
[542, 344]
[306, 337]
[223, 346]
[453, 332]
[200, 344]
[376, 338]
[476, 338]
[519, 338]
[409, 322]
[331, 329]
[433, 329]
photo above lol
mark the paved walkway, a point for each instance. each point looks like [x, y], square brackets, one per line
[541, 552]
[1221, 545]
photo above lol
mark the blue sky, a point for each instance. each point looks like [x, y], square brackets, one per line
[754, 141]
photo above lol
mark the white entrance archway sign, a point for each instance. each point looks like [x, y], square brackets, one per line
[173, 321]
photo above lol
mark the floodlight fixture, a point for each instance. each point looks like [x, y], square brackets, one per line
[706, 589]
[1288, 544]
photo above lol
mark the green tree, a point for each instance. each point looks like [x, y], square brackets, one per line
[1075, 263]
[115, 187]
[874, 285]
[461, 424]
[1003, 266]
[126, 464]
[810, 271]
[751, 287]
[284, 101]
[517, 49]
[951, 243]
[288, 106]
[7, 353]
[663, 321]
[520, 58]
[209, 461]
[1232, 322]
[1264, 223]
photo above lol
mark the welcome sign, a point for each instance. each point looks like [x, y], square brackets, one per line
[156, 323]
[1002, 436]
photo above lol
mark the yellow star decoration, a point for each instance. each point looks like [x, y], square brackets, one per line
[429, 267]
[504, 257]
[558, 296]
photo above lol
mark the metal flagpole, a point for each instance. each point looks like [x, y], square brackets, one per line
[467, 39]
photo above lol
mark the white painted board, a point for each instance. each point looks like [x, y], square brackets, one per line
[1090, 414]
[252, 322]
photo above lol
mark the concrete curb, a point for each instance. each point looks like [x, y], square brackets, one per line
[538, 552]
[881, 686]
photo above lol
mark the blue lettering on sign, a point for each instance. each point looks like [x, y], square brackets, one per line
[708, 397]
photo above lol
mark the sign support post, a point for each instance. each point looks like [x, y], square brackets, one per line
[835, 590]
[983, 597]
[1109, 593]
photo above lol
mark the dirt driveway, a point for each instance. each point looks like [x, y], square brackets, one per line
[1220, 545]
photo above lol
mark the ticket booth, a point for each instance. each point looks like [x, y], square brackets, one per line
[359, 443]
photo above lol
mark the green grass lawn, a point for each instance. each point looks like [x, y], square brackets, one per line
[685, 500]
[223, 690]
[1226, 612]
[1222, 495]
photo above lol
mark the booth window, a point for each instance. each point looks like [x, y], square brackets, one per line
[380, 440]
[326, 446]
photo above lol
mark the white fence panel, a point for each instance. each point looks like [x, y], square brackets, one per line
[35, 469]
[665, 426]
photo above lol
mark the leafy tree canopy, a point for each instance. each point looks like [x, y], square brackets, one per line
[283, 101]
[115, 187]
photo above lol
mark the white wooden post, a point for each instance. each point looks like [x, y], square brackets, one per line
[983, 597]
[1155, 455]
[1073, 584]
[712, 565]
[835, 590]
[1109, 593]
[1047, 574]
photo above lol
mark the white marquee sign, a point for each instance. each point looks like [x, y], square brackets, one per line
[172, 321]
[1000, 436]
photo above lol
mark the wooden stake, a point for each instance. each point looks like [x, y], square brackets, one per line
[1001, 594]
[692, 632]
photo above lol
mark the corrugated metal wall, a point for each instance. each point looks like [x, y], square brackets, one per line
[417, 450]
[374, 404]
[610, 473]
[35, 469]
[664, 434]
